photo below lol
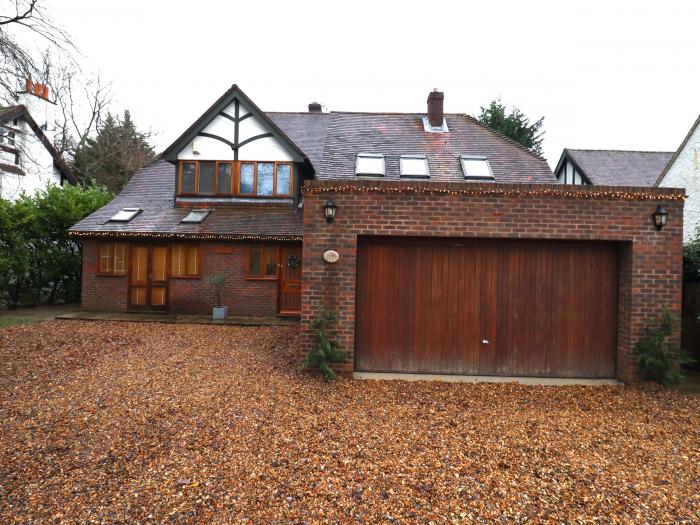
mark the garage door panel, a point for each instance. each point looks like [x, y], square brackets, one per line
[545, 308]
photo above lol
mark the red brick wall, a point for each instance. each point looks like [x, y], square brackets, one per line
[650, 261]
[244, 297]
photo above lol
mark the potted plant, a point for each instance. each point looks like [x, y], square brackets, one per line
[219, 312]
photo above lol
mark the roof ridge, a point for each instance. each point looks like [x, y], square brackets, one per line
[618, 150]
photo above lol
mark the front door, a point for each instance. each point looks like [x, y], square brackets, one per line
[148, 277]
[290, 280]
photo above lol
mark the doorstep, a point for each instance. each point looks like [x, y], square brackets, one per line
[543, 381]
[143, 317]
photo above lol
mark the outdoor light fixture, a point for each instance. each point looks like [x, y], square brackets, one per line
[329, 209]
[660, 216]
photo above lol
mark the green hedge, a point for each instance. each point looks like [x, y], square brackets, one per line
[38, 261]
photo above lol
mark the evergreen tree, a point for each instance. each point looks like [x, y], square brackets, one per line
[114, 154]
[514, 125]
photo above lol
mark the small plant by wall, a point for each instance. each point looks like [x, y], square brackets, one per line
[658, 358]
[324, 352]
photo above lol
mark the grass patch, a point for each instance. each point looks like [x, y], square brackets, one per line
[13, 321]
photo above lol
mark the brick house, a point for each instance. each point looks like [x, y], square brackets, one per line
[444, 246]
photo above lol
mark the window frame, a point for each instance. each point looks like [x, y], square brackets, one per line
[374, 156]
[110, 272]
[198, 248]
[261, 277]
[236, 178]
[477, 178]
[424, 158]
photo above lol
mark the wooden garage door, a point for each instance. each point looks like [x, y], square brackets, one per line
[489, 307]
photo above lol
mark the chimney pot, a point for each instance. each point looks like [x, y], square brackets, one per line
[435, 108]
[29, 85]
[315, 107]
[45, 94]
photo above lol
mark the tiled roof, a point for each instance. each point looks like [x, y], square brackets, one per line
[153, 188]
[342, 135]
[619, 168]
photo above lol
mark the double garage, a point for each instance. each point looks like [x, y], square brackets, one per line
[487, 307]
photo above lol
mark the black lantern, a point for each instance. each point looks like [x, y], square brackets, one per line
[329, 209]
[660, 216]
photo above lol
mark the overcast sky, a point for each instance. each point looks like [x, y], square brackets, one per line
[604, 74]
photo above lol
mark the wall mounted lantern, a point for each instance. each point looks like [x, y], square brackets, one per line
[660, 216]
[329, 210]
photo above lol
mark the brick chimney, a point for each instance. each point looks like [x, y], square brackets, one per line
[315, 107]
[435, 108]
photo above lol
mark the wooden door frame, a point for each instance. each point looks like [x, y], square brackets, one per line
[149, 281]
[280, 280]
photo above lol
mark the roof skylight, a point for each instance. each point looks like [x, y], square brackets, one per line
[369, 165]
[196, 216]
[125, 214]
[414, 166]
[476, 168]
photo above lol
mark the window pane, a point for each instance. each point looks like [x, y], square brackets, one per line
[476, 168]
[414, 166]
[206, 178]
[254, 270]
[265, 181]
[177, 260]
[224, 179]
[284, 178]
[369, 165]
[187, 184]
[247, 178]
[120, 258]
[106, 258]
[192, 260]
[270, 260]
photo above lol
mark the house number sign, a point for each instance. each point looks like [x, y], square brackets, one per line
[331, 256]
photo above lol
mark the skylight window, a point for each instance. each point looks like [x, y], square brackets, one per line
[476, 168]
[125, 215]
[196, 216]
[414, 166]
[369, 165]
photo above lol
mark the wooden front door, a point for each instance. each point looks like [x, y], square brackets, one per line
[289, 279]
[148, 277]
[488, 307]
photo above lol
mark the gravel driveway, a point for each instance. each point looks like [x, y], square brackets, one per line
[148, 423]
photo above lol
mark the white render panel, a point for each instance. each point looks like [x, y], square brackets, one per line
[268, 148]
[685, 173]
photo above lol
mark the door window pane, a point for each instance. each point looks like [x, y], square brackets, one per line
[284, 176]
[265, 178]
[223, 180]
[206, 178]
[247, 178]
[187, 182]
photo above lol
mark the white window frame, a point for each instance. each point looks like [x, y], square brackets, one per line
[125, 215]
[372, 156]
[424, 158]
[196, 216]
[484, 178]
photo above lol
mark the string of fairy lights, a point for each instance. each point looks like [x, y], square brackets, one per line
[184, 236]
[508, 191]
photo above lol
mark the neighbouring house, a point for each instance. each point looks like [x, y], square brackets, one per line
[683, 171]
[604, 167]
[28, 159]
[443, 246]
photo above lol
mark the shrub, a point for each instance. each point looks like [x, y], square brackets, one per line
[658, 358]
[691, 260]
[324, 351]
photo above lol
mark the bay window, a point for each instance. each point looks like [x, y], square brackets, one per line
[235, 178]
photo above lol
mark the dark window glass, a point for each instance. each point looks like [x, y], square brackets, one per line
[284, 179]
[187, 184]
[206, 178]
[254, 270]
[265, 178]
[270, 260]
[247, 178]
[223, 180]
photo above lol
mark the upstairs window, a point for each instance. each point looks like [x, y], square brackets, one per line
[227, 178]
[476, 168]
[369, 165]
[112, 258]
[125, 215]
[414, 166]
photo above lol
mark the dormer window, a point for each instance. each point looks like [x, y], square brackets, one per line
[476, 168]
[414, 166]
[125, 215]
[369, 165]
[208, 178]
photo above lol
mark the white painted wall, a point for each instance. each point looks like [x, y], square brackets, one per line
[267, 148]
[685, 173]
[35, 160]
[569, 175]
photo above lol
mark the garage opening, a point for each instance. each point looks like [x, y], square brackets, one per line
[487, 307]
